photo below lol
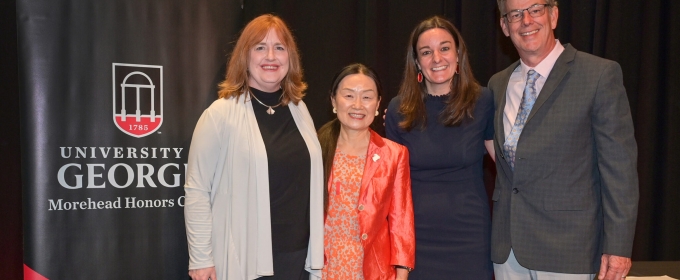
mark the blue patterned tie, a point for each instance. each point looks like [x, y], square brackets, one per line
[528, 100]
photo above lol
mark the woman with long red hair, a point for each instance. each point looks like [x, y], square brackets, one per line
[254, 188]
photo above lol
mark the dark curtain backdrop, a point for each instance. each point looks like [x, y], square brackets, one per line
[11, 257]
[643, 36]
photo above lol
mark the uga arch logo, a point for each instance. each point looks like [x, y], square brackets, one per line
[137, 98]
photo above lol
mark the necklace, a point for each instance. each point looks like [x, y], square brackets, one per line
[270, 109]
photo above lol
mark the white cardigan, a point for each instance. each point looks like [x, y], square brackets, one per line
[226, 207]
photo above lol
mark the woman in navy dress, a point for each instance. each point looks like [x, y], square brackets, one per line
[445, 119]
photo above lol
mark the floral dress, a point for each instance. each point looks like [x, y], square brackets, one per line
[342, 246]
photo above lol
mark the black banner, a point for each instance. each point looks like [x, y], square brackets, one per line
[111, 93]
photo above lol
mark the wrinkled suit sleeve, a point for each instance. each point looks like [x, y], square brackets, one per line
[617, 161]
[400, 217]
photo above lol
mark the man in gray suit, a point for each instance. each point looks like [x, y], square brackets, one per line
[565, 202]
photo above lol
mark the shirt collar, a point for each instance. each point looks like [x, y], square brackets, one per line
[545, 66]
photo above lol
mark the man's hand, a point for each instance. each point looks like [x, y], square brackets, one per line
[384, 116]
[614, 267]
[203, 273]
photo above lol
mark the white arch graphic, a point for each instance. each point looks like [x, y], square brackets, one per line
[151, 86]
[137, 127]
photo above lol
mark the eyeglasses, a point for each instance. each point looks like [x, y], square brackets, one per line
[535, 10]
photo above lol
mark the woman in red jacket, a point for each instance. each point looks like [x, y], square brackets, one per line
[369, 231]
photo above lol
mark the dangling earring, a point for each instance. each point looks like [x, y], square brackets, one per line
[420, 76]
[456, 69]
[335, 111]
[377, 113]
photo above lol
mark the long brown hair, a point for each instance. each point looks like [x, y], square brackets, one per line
[465, 89]
[236, 81]
[330, 132]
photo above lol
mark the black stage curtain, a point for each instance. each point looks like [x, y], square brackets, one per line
[11, 256]
[641, 35]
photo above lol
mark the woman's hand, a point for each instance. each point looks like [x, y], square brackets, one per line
[402, 274]
[205, 273]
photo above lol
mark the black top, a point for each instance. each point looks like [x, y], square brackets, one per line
[289, 170]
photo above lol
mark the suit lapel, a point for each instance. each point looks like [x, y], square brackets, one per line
[374, 158]
[559, 70]
[501, 100]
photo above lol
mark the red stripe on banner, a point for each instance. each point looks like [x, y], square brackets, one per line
[30, 274]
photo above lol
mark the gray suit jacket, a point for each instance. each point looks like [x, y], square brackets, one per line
[574, 192]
